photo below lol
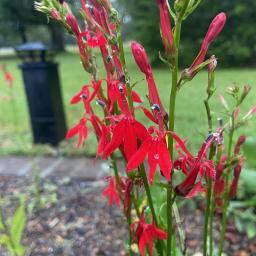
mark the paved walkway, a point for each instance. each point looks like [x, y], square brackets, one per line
[87, 168]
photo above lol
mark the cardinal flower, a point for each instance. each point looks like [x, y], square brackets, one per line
[94, 39]
[72, 22]
[112, 193]
[213, 31]
[126, 134]
[85, 96]
[196, 167]
[79, 129]
[238, 168]
[165, 24]
[156, 149]
[141, 59]
[114, 94]
[146, 234]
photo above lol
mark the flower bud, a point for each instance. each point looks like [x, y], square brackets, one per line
[215, 28]
[213, 31]
[165, 24]
[213, 64]
[245, 92]
[141, 58]
[107, 5]
[250, 113]
[55, 15]
[72, 22]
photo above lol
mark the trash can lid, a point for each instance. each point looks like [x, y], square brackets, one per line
[32, 46]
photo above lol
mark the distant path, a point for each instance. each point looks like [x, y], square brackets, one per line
[87, 168]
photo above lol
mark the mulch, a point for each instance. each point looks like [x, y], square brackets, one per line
[80, 223]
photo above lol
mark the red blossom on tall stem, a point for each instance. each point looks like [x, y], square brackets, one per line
[79, 129]
[165, 25]
[111, 192]
[196, 166]
[146, 234]
[156, 149]
[126, 134]
[214, 30]
[141, 59]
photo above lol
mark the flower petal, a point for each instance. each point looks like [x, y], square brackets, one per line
[139, 156]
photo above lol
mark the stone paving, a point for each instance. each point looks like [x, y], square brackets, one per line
[86, 168]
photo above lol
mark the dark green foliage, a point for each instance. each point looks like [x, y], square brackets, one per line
[144, 25]
[236, 46]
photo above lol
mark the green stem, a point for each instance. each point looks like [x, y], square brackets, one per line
[207, 215]
[148, 193]
[226, 192]
[123, 61]
[211, 224]
[142, 171]
[170, 138]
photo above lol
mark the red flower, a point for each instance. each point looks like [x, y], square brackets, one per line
[84, 55]
[126, 134]
[79, 129]
[141, 58]
[126, 185]
[103, 141]
[146, 234]
[72, 22]
[165, 25]
[8, 77]
[54, 14]
[213, 31]
[112, 193]
[193, 167]
[114, 94]
[238, 168]
[158, 154]
[94, 39]
[85, 96]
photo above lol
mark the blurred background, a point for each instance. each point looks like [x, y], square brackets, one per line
[235, 50]
[35, 107]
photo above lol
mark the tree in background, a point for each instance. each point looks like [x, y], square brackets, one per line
[236, 46]
[143, 25]
[19, 23]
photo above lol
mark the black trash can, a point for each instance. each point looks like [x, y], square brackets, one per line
[43, 90]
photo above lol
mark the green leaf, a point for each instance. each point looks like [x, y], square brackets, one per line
[1, 223]
[251, 230]
[18, 223]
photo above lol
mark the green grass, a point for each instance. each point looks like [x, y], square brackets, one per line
[190, 114]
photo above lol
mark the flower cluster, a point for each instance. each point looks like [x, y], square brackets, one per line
[117, 129]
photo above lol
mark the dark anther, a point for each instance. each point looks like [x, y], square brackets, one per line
[209, 137]
[122, 79]
[83, 96]
[101, 103]
[155, 107]
[120, 88]
[109, 58]
[220, 120]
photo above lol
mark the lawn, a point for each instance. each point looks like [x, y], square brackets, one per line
[15, 136]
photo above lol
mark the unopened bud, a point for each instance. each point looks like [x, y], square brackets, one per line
[213, 64]
[141, 58]
[72, 22]
[55, 15]
[245, 92]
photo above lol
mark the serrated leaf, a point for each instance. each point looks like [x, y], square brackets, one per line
[18, 223]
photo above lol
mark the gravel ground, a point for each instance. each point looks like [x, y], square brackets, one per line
[81, 224]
